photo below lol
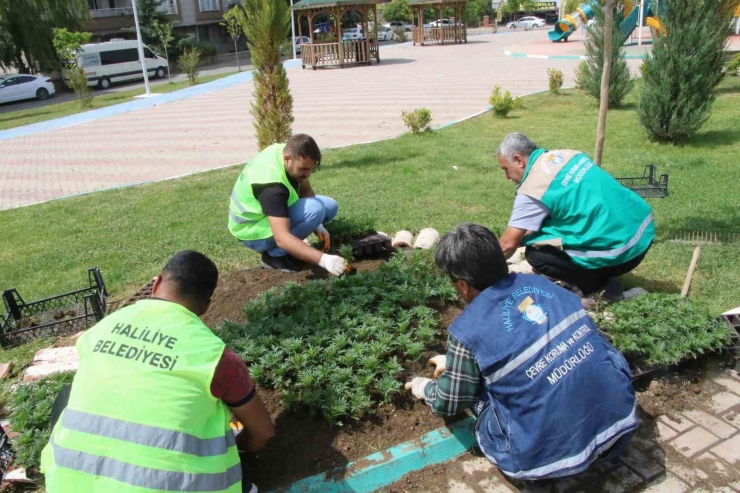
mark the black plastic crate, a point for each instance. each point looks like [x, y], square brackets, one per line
[646, 185]
[58, 315]
[733, 321]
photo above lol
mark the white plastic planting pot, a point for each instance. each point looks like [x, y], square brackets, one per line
[428, 237]
[402, 239]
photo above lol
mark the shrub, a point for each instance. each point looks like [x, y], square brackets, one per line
[337, 345]
[189, 64]
[400, 35]
[418, 120]
[556, 80]
[664, 329]
[31, 417]
[685, 66]
[77, 80]
[266, 24]
[733, 66]
[346, 229]
[589, 71]
[502, 103]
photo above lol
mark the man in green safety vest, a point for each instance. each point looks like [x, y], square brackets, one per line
[273, 208]
[579, 224]
[151, 404]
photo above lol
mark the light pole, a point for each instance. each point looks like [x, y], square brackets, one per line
[292, 29]
[141, 50]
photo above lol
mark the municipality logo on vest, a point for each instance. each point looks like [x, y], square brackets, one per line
[532, 312]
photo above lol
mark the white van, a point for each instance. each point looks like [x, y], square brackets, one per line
[118, 61]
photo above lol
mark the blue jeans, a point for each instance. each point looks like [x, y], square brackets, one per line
[305, 216]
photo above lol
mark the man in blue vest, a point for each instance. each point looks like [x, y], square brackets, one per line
[578, 223]
[550, 394]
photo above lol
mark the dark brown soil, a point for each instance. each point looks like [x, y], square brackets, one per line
[304, 444]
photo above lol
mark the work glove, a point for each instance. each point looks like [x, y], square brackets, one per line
[334, 264]
[323, 235]
[440, 361]
[417, 386]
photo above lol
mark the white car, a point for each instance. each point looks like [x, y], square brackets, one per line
[298, 41]
[399, 25]
[527, 22]
[352, 34]
[386, 33]
[441, 23]
[15, 87]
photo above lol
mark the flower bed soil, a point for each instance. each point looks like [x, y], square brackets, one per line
[305, 444]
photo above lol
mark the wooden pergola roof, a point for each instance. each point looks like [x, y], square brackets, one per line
[329, 4]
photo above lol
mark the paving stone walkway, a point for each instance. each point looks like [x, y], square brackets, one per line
[694, 450]
[338, 107]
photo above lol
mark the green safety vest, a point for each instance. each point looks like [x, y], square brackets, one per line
[141, 417]
[246, 219]
[597, 221]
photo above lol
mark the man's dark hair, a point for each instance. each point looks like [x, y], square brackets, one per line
[471, 253]
[194, 275]
[303, 146]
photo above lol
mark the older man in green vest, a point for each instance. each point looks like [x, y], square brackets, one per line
[579, 224]
[274, 208]
[150, 406]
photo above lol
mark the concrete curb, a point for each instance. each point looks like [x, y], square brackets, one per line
[561, 57]
[383, 468]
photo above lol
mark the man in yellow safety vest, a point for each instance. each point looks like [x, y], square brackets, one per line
[273, 207]
[150, 406]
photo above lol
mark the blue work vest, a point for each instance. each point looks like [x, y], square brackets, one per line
[560, 394]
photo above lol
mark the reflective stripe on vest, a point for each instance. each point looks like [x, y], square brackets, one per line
[150, 436]
[155, 479]
[534, 348]
[616, 251]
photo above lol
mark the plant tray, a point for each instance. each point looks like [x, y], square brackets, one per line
[55, 316]
[646, 185]
[371, 245]
[734, 348]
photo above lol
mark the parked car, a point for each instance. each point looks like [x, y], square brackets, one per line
[117, 61]
[386, 33]
[352, 34]
[527, 22]
[15, 87]
[399, 25]
[298, 41]
[442, 23]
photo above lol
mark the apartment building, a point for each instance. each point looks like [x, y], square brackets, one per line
[200, 18]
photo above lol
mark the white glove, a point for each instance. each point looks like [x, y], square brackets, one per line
[440, 361]
[323, 235]
[417, 386]
[334, 264]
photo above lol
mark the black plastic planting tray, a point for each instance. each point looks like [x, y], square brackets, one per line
[646, 185]
[58, 315]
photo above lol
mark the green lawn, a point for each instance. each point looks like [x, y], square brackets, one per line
[26, 117]
[409, 183]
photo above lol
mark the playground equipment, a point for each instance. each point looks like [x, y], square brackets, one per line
[634, 14]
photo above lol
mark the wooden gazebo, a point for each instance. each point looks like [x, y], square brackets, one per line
[328, 49]
[445, 34]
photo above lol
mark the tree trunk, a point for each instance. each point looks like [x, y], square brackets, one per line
[605, 76]
[167, 56]
[236, 49]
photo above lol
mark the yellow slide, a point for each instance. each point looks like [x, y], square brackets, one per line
[654, 23]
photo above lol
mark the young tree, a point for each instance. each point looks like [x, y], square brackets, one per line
[234, 28]
[684, 69]
[397, 10]
[569, 6]
[26, 31]
[266, 24]
[164, 34]
[591, 70]
[149, 16]
[68, 45]
[605, 78]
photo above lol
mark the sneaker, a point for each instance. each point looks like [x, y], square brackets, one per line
[249, 487]
[614, 290]
[283, 264]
